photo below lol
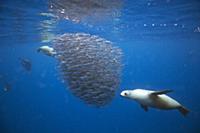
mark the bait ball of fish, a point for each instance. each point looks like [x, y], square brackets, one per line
[90, 66]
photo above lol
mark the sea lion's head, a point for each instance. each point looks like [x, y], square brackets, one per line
[132, 94]
[126, 93]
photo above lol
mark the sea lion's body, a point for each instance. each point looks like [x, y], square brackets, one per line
[47, 50]
[155, 99]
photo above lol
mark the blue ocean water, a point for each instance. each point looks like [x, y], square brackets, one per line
[160, 44]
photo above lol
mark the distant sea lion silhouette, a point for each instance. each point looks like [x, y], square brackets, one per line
[155, 99]
[26, 64]
[7, 87]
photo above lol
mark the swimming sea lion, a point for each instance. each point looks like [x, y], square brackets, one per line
[155, 99]
[26, 63]
[46, 50]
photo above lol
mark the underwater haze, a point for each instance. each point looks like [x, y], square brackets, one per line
[103, 47]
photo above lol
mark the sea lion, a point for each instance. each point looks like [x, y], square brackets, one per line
[26, 64]
[155, 99]
[47, 50]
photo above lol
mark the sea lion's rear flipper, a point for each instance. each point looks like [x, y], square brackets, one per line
[144, 107]
[161, 92]
[183, 110]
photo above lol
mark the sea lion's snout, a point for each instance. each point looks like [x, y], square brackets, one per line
[121, 94]
[38, 50]
[124, 93]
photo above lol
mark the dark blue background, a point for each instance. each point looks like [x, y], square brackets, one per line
[155, 57]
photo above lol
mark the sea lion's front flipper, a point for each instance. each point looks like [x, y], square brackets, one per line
[144, 107]
[161, 92]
